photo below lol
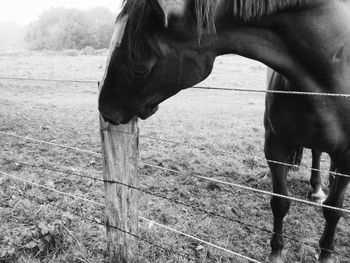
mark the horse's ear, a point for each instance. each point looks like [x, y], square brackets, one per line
[160, 7]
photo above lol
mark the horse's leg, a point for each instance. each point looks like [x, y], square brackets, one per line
[277, 150]
[317, 193]
[335, 198]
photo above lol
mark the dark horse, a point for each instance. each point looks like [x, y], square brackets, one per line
[163, 46]
[277, 111]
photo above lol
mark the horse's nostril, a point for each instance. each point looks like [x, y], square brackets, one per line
[114, 117]
[110, 121]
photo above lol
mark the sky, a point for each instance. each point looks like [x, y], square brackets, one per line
[25, 11]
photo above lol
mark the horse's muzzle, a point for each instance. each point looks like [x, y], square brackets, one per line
[115, 118]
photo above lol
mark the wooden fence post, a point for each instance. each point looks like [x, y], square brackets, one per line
[120, 157]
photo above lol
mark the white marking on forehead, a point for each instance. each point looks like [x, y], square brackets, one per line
[118, 33]
[116, 40]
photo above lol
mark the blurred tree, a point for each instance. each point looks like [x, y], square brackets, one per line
[68, 28]
[103, 26]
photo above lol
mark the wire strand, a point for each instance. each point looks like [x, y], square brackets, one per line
[50, 143]
[51, 189]
[50, 80]
[287, 92]
[194, 87]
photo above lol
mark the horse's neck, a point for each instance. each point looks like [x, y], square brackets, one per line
[310, 47]
[320, 41]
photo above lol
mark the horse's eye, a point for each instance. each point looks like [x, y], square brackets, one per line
[141, 70]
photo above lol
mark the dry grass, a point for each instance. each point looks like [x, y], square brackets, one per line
[212, 121]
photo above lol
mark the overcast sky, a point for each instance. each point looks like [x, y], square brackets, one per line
[26, 11]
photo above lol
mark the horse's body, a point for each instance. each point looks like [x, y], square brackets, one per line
[163, 46]
[276, 111]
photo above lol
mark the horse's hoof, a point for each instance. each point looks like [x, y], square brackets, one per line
[318, 200]
[318, 197]
[275, 259]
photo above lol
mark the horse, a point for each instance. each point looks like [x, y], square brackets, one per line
[160, 47]
[274, 110]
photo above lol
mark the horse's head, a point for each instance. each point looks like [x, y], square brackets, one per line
[159, 47]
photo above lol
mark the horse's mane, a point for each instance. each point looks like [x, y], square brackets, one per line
[245, 10]
[141, 10]
[248, 10]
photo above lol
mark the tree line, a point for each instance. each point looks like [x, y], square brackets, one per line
[69, 28]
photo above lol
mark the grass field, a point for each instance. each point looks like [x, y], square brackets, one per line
[221, 135]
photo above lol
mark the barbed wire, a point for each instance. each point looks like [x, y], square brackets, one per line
[194, 87]
[140, 217]
[153, 222]
[333, 173]
[179, 143]
[229, 153]
[247, 188]
[172, 200]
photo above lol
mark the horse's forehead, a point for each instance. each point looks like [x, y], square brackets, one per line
[116, 40]
[174, 7]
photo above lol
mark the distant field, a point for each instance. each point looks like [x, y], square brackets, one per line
[209, 123]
